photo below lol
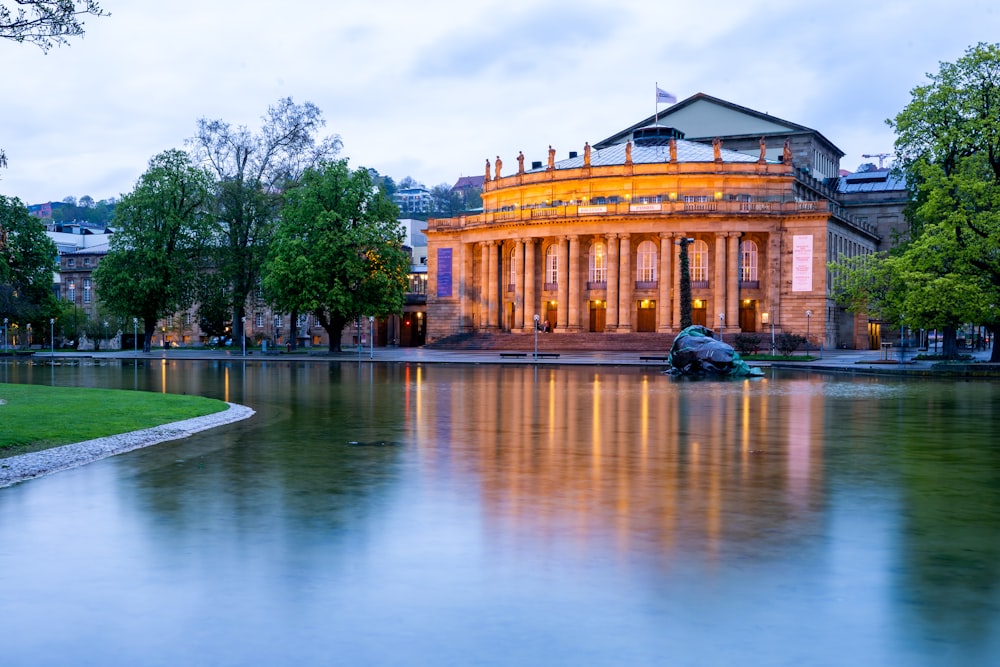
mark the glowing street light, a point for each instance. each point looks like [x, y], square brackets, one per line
[371, 337]
[52, 335]
[243, 333]
[135, 335]
[809, 315]
[536, 336]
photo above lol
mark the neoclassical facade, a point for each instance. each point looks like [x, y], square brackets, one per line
[591, 243]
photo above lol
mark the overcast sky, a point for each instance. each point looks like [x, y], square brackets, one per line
[431, 89]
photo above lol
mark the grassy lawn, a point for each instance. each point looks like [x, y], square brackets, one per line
[33, 417]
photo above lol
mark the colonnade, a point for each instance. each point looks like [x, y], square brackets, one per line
[500, 304]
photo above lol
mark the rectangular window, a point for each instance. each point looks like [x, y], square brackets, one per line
[86, 290]
[71, 291]
[71, 263]
[277, 321]
[258, 320]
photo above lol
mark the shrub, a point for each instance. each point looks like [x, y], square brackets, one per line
[745, 343]
[788, 342]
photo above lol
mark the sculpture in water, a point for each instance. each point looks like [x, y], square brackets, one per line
[696, 352]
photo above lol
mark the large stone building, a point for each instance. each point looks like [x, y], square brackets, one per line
[590, 243]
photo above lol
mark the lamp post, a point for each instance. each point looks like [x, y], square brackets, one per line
[135, 335]
[902, 338]
[5, 335]
[722, 324]
[809, 315]
[371, 337]
[536, 336]
[29, 336]
[52, 335]
[765, 318]
[106, 343]
[243, 334]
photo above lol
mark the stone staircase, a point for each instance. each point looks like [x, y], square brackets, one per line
[640, 343]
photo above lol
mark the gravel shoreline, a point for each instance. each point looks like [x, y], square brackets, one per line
[16, 469]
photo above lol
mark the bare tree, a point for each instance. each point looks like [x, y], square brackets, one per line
[252, 170]
[46, 23]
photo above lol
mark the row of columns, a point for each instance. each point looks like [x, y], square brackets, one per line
[620, 285]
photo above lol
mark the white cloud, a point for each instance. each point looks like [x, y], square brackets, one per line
[430, 90]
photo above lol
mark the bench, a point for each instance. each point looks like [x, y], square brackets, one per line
[546, 355]
[654, 358]
[513, 354]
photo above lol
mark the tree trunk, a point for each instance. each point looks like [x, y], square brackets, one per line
[949, 345]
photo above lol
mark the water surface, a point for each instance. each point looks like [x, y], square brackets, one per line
[496, 515]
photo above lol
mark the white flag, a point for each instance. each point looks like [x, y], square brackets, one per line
[664, 97]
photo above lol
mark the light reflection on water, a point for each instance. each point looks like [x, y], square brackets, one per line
[404, 514]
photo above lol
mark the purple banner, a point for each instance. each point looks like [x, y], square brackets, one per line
[444, 272]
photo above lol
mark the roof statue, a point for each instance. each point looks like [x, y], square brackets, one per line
[717, 149]
[552, 157]
[673, 150]
[586, 154]
[628, 152]
[786, 153]
[499, 166]
[520, 162]
[487, 179]
[763, 151]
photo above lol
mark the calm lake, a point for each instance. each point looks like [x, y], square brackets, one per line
[439, 514]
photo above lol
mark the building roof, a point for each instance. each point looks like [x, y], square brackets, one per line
[687, 151]
[466, 182]
[877, 180]
[703, 117]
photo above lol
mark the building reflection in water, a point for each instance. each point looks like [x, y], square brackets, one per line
[626, 458]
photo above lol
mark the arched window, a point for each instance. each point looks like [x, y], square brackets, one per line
[598, 263]
[512, 263]
[699, 262]
[748, 261]
[646, 262]
[552, 264]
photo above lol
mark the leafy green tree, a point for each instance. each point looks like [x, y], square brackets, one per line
[158, 252]
[338, 251]
[685, 286]
[27, 261]
[251, 170]
[948, 146]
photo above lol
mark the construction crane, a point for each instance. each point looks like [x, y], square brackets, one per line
[880, 156]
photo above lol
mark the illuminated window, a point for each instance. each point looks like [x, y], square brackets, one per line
[646, 262]
[552, 264]
[86, 290]
[598, 263]
[699, 262]
[71, 290]
[748, 261]
[512, 264]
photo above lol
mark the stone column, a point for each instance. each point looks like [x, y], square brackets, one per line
[562, 312]
[625, 284]
[677, 250]
[531, 306]
[492, 307]
[518, 258]
[663, 279]
[719, 285]
[733, 282]
[611, 312]
[464, 281]
[574, 284]
[484, 285]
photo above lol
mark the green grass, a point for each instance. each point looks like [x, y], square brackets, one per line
[33, 418]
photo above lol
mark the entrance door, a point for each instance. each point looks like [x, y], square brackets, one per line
[699, 316]
[551, 313]
[598, 310]
[645, 319]
[748, 316]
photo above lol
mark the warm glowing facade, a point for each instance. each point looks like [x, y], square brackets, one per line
[590, 243]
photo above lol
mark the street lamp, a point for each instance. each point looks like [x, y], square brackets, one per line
[106, 343]
[536, 336]
[52, 335]
[765, 318]
[135, 335]
[5, 335]
[809, 315]
[371, 337]
[722, 324]
[29, 334]
[243, 333]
